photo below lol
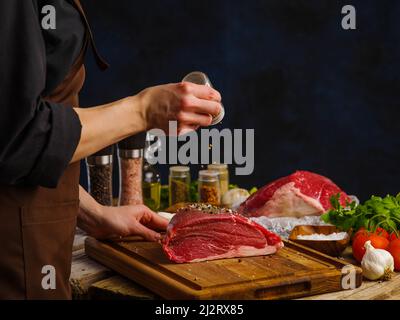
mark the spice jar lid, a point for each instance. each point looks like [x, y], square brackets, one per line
[135, 142]
[217, 166]
[102, 157]
[99, 160]
[208, 175]
[130, 154]
[179, 171]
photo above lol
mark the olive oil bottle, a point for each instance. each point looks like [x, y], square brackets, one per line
[151, 187]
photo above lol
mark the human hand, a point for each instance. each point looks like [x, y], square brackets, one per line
[191, 105]
[111, 222]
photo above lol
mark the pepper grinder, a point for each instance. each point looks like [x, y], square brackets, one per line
[130, 152]
[100, 175]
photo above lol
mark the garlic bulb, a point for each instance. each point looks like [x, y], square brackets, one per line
[234, 198]
[377, 263]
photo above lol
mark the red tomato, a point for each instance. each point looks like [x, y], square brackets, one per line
[394, 249]
[395, 243]
[382, 232]
[393, 236]
[360, 231]
[378, 242]
[358, 245]
[379, 231]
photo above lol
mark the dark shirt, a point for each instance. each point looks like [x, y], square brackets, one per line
[37, 138]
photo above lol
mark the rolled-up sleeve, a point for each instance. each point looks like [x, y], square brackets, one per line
[37, 138]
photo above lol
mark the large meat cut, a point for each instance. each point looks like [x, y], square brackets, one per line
[195, 236]
[300, 194]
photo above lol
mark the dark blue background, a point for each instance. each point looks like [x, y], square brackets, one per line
[319, 98]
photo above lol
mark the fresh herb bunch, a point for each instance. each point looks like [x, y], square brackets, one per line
[374, 213]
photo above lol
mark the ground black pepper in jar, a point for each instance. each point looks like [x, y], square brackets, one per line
[100, 176]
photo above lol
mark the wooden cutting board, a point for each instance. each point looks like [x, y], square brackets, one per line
[295, 271]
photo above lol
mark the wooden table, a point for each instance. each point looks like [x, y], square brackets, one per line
[90, 280]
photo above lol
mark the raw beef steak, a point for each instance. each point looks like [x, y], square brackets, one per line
[195, 236]
[300, 194]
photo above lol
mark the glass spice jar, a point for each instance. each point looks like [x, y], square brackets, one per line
[130, 164]
[99, 168]
[179, 185]
[223, 175]
[209, 187]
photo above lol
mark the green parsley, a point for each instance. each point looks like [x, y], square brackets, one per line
[374, 213]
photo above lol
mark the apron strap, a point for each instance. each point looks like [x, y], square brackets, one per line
[102, 64]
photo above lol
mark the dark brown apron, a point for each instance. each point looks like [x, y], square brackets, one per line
[37, 224]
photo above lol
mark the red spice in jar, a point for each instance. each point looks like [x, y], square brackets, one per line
[131, 181]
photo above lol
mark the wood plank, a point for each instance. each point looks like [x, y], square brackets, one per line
[79, 239]
[119, 288]
[85, 272]
[294, 272]
[370, 290]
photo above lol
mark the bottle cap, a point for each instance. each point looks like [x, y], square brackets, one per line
[179, 171]
[217, 166]
[208, 175]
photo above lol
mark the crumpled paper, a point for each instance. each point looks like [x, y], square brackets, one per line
[283, 226]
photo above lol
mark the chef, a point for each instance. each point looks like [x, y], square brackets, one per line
[44, 134]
